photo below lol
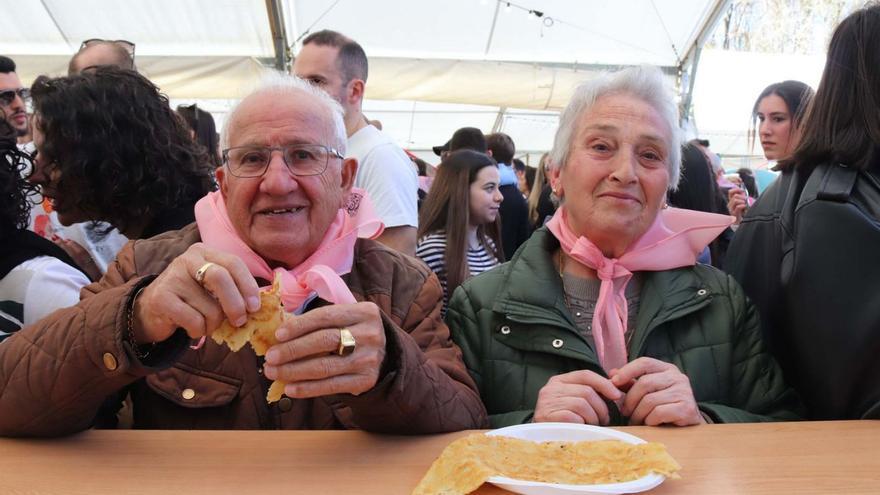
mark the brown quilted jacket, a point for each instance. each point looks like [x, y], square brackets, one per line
[55, 374]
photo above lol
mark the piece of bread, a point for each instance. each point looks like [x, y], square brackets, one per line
[259, 331]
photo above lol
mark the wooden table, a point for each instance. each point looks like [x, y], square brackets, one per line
[778, 458]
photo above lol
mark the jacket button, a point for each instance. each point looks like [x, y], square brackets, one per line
[188, 393]
[702, 292]
[110, 361]
[285, 404]
[557, 343]
[505, 330]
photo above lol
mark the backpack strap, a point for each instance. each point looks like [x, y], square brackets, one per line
[837, 183]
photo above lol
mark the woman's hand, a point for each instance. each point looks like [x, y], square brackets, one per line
[737, 202]
[657, 393]
[576, 397]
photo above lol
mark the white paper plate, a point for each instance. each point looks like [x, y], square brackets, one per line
[567, 432]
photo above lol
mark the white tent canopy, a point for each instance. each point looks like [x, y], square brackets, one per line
[507, 57]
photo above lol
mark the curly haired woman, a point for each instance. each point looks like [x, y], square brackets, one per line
[109, 148]
[36, 276]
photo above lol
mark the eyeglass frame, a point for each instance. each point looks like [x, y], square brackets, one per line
[128, 45]
[23, 93]
[331, 152]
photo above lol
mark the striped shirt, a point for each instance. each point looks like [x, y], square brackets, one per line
[432, 250]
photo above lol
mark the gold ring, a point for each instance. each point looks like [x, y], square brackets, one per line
[200, 273]
[346, 342]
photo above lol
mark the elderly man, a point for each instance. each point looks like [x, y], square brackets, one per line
[338, 65]
[286, 207]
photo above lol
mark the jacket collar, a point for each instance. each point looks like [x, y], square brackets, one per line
[532, 290]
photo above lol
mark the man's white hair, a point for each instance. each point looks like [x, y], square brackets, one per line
[644, 82]
[288, 86]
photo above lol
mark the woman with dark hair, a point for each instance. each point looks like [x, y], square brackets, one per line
[807, 251]
[459, 226]
[36, 276]
[109, 148]
[777, 115]
[776, 119]
[204, 131]
[698, 190]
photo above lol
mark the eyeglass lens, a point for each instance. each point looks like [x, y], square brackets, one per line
[300, 159]
[8, 96]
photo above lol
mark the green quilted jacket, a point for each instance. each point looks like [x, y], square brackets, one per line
[515, 332]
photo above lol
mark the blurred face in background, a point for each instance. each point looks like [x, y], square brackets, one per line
[485, 197]
[776, 128]
[12, 104]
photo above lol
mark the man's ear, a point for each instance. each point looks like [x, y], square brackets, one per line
[220, 174]
[356, 92]
[349, 171]
[489, 152]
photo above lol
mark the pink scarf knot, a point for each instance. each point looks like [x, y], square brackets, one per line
[321, 272]
[675, 239]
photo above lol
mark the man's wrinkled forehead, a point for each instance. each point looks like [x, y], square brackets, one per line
[292, 116]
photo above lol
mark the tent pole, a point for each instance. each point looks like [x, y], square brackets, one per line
[499, 119]
[692, 55]
[492, 30]
[279, 34]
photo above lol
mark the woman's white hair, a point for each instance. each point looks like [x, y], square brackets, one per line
[644, 82]
[289, 86]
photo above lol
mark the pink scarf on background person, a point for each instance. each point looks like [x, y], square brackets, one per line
[319, 273]
[675, 239]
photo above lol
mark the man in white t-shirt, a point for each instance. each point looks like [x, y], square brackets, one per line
[338, 65]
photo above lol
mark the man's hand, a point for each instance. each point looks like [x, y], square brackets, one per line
[576, 397]
[736, 203]
[658, 393]
[176, 300]
[306, 356]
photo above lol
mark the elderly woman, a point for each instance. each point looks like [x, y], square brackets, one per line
[603, 317]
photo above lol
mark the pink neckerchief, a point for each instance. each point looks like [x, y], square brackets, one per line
[320, 273]
[675, 239]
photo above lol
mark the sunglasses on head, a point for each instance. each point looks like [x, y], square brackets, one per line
[128, 45]
[8, 96]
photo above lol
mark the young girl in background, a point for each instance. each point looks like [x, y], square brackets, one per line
[776, 119]
[459, 225]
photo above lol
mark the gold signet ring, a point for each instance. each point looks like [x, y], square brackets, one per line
[346, 342]
[200, 273]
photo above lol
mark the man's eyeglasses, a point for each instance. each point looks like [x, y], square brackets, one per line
[8, 96]
[128, 45]
[301, 159]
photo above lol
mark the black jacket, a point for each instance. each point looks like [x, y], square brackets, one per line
[808, 255]
[514, 219]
